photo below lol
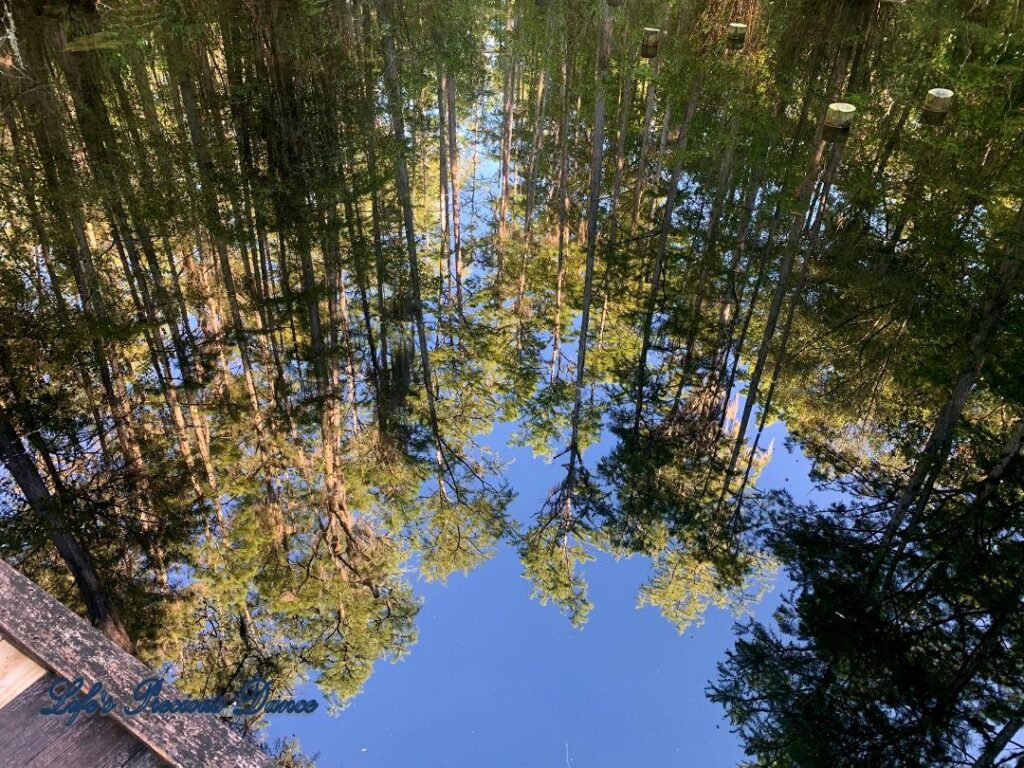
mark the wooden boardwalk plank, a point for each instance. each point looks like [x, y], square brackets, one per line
[98, 742]
[145, 759]
[29, 739]
[68, 646]
[24, 733]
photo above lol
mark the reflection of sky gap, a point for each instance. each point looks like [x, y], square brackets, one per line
[498, 680]
[539, 637]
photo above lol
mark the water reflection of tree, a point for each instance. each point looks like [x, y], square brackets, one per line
[253, 335]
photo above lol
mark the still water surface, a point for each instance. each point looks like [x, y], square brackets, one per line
[451, 334]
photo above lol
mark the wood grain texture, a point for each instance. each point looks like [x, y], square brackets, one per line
[24, 733]
[17, 672]
[68, 646]
[98, 742]
[32, 740]
[145, 759]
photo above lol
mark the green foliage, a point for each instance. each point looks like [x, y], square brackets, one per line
[259, 384]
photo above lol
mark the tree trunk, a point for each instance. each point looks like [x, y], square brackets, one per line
[453, 167]
[563, 212]
[666, 228]
[47, 508]
[596, 166]
[393, 78]
[645, 144]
